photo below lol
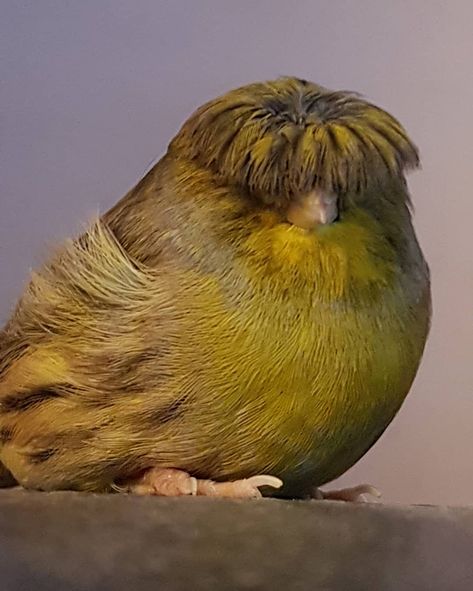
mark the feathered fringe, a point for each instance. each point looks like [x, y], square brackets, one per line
[283, 138]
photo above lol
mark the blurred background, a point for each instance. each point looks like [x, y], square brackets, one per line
[93, 90]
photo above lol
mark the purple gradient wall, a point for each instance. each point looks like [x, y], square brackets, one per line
[93, 90]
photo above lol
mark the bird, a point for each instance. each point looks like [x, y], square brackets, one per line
[246, 321]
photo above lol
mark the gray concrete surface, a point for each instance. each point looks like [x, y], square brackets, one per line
[71, 541]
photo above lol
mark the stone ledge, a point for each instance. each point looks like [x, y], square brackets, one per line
[81, 542]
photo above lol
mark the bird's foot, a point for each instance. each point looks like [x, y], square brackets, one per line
[169, 482]
[355, 494]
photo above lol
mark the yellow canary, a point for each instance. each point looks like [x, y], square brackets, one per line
[252, 314]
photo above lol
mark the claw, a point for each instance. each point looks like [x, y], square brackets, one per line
[265, 480]
[355, 494]
[170, 482]
[247, 488]
[193, 486]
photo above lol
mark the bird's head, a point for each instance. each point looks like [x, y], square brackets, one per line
[298, 148]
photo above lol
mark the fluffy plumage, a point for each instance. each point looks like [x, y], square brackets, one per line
[193, 327]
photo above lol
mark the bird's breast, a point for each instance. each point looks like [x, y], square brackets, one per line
[308, 363]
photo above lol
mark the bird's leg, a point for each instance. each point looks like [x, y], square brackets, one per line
[169, 482]
[355, 494]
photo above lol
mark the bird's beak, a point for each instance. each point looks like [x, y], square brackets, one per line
[314, 208]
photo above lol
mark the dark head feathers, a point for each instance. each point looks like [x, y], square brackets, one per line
[283, 138]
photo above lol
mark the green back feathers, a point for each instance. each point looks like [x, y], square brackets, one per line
[283, 138]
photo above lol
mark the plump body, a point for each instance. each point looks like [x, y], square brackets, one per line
[189, 328]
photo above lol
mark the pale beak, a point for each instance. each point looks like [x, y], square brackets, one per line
[312, 209]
